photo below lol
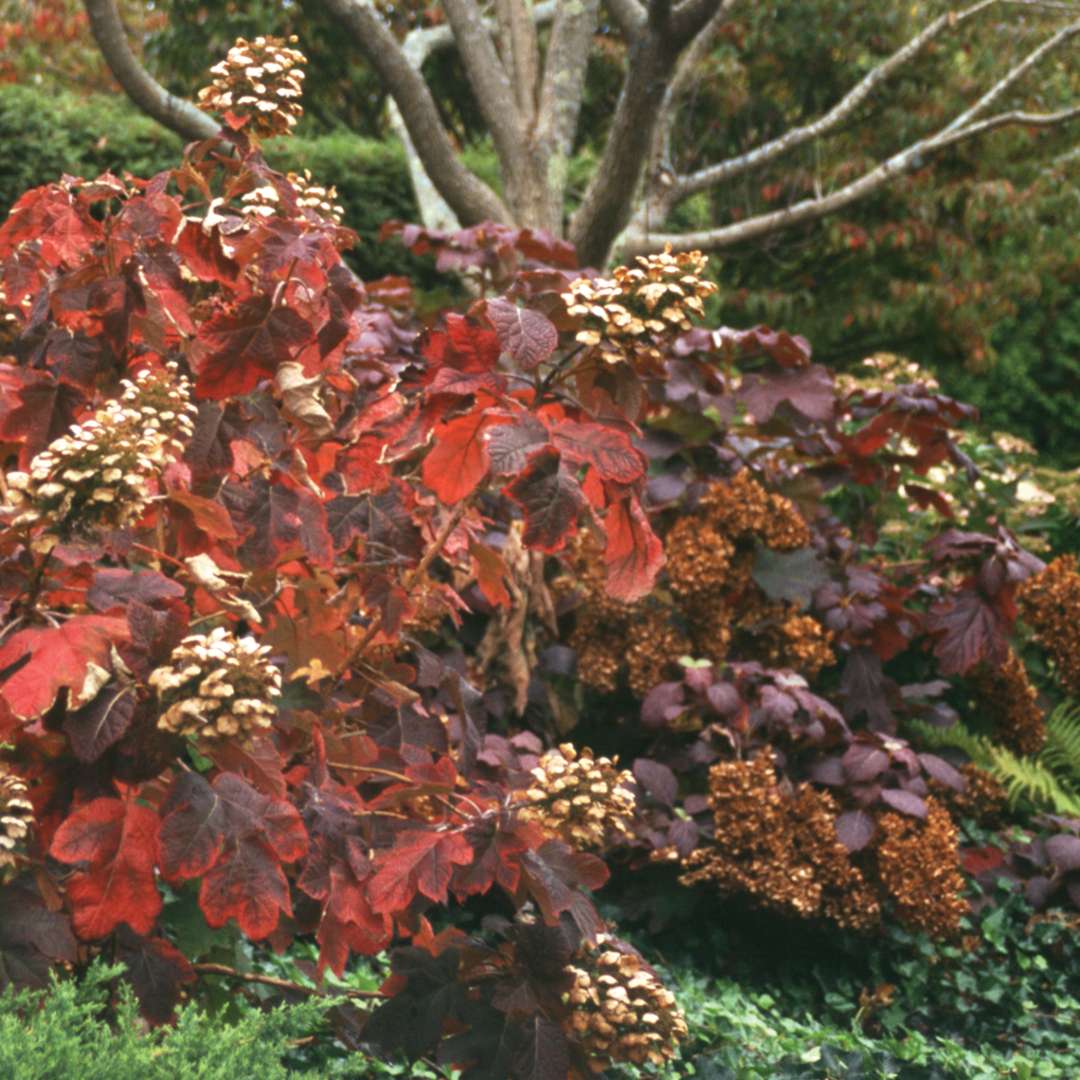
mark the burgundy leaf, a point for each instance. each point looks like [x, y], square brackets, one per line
[657, 780]
[529, 337]
[942, 771]
[551, 500]
[855, 829]
[92, 729]
[970, 631]
[1064, 852]
[904, 801]
[510, 446]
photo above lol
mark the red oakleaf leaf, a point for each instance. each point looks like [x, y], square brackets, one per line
[607, 449]
[247, 885]
[551, 500]
[203, 255]
[60, 658]
[459, 459]
[498, 859]
[282, 521]
[552, 876]
[633, 554]
[238, 839]
[235, 349]
[117, 841]
[65, 230]
[198, 518]
[35, 408]
[529, 337]
[464, 345]
[421, 861]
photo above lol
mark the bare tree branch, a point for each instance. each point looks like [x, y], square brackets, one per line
[762, 155]
[608, 201]
[1015, 118]
[629, 16]
[905, 161]
[150, 96]
[489, 80]
[435, 212]
[420, 43]
[685, 75]
[1016, 73]
[690, 17]
[563, 86]
[466, 194]
[521, 54]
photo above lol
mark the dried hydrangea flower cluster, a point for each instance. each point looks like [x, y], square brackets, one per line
[261, 81]
[709, 562]
[743, 510]
[783, 638]
[1007, 694]
[984, 799]
[217, 686]
[265, 202]
[636, 304]
[101, 474]
[16, 818]
[917, 864]
[579, 798]
[780, 847]
[1050, 604]
[620, 1011]
[779, 844]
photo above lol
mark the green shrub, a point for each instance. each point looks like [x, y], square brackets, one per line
[1031, 387]
[46, 134]
[64, 1033]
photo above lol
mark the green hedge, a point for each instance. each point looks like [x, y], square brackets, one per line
[46, 134]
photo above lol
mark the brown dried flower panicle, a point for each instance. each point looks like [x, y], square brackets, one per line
[918, 868]
[984, 798]
[714, 608]
[621, 1012]
[579, 798]
[102, 473]
[780, 847]
[16, 819]
[1007, 694]
[217, 686]
[779, 844]
[258, 85]
[1050, 604]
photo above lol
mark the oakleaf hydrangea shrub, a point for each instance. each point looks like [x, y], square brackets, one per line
[321, 620]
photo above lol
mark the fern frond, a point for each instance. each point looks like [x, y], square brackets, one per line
[977, 747]
[1062, 750]
[1048, 780]
[1032, 780]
